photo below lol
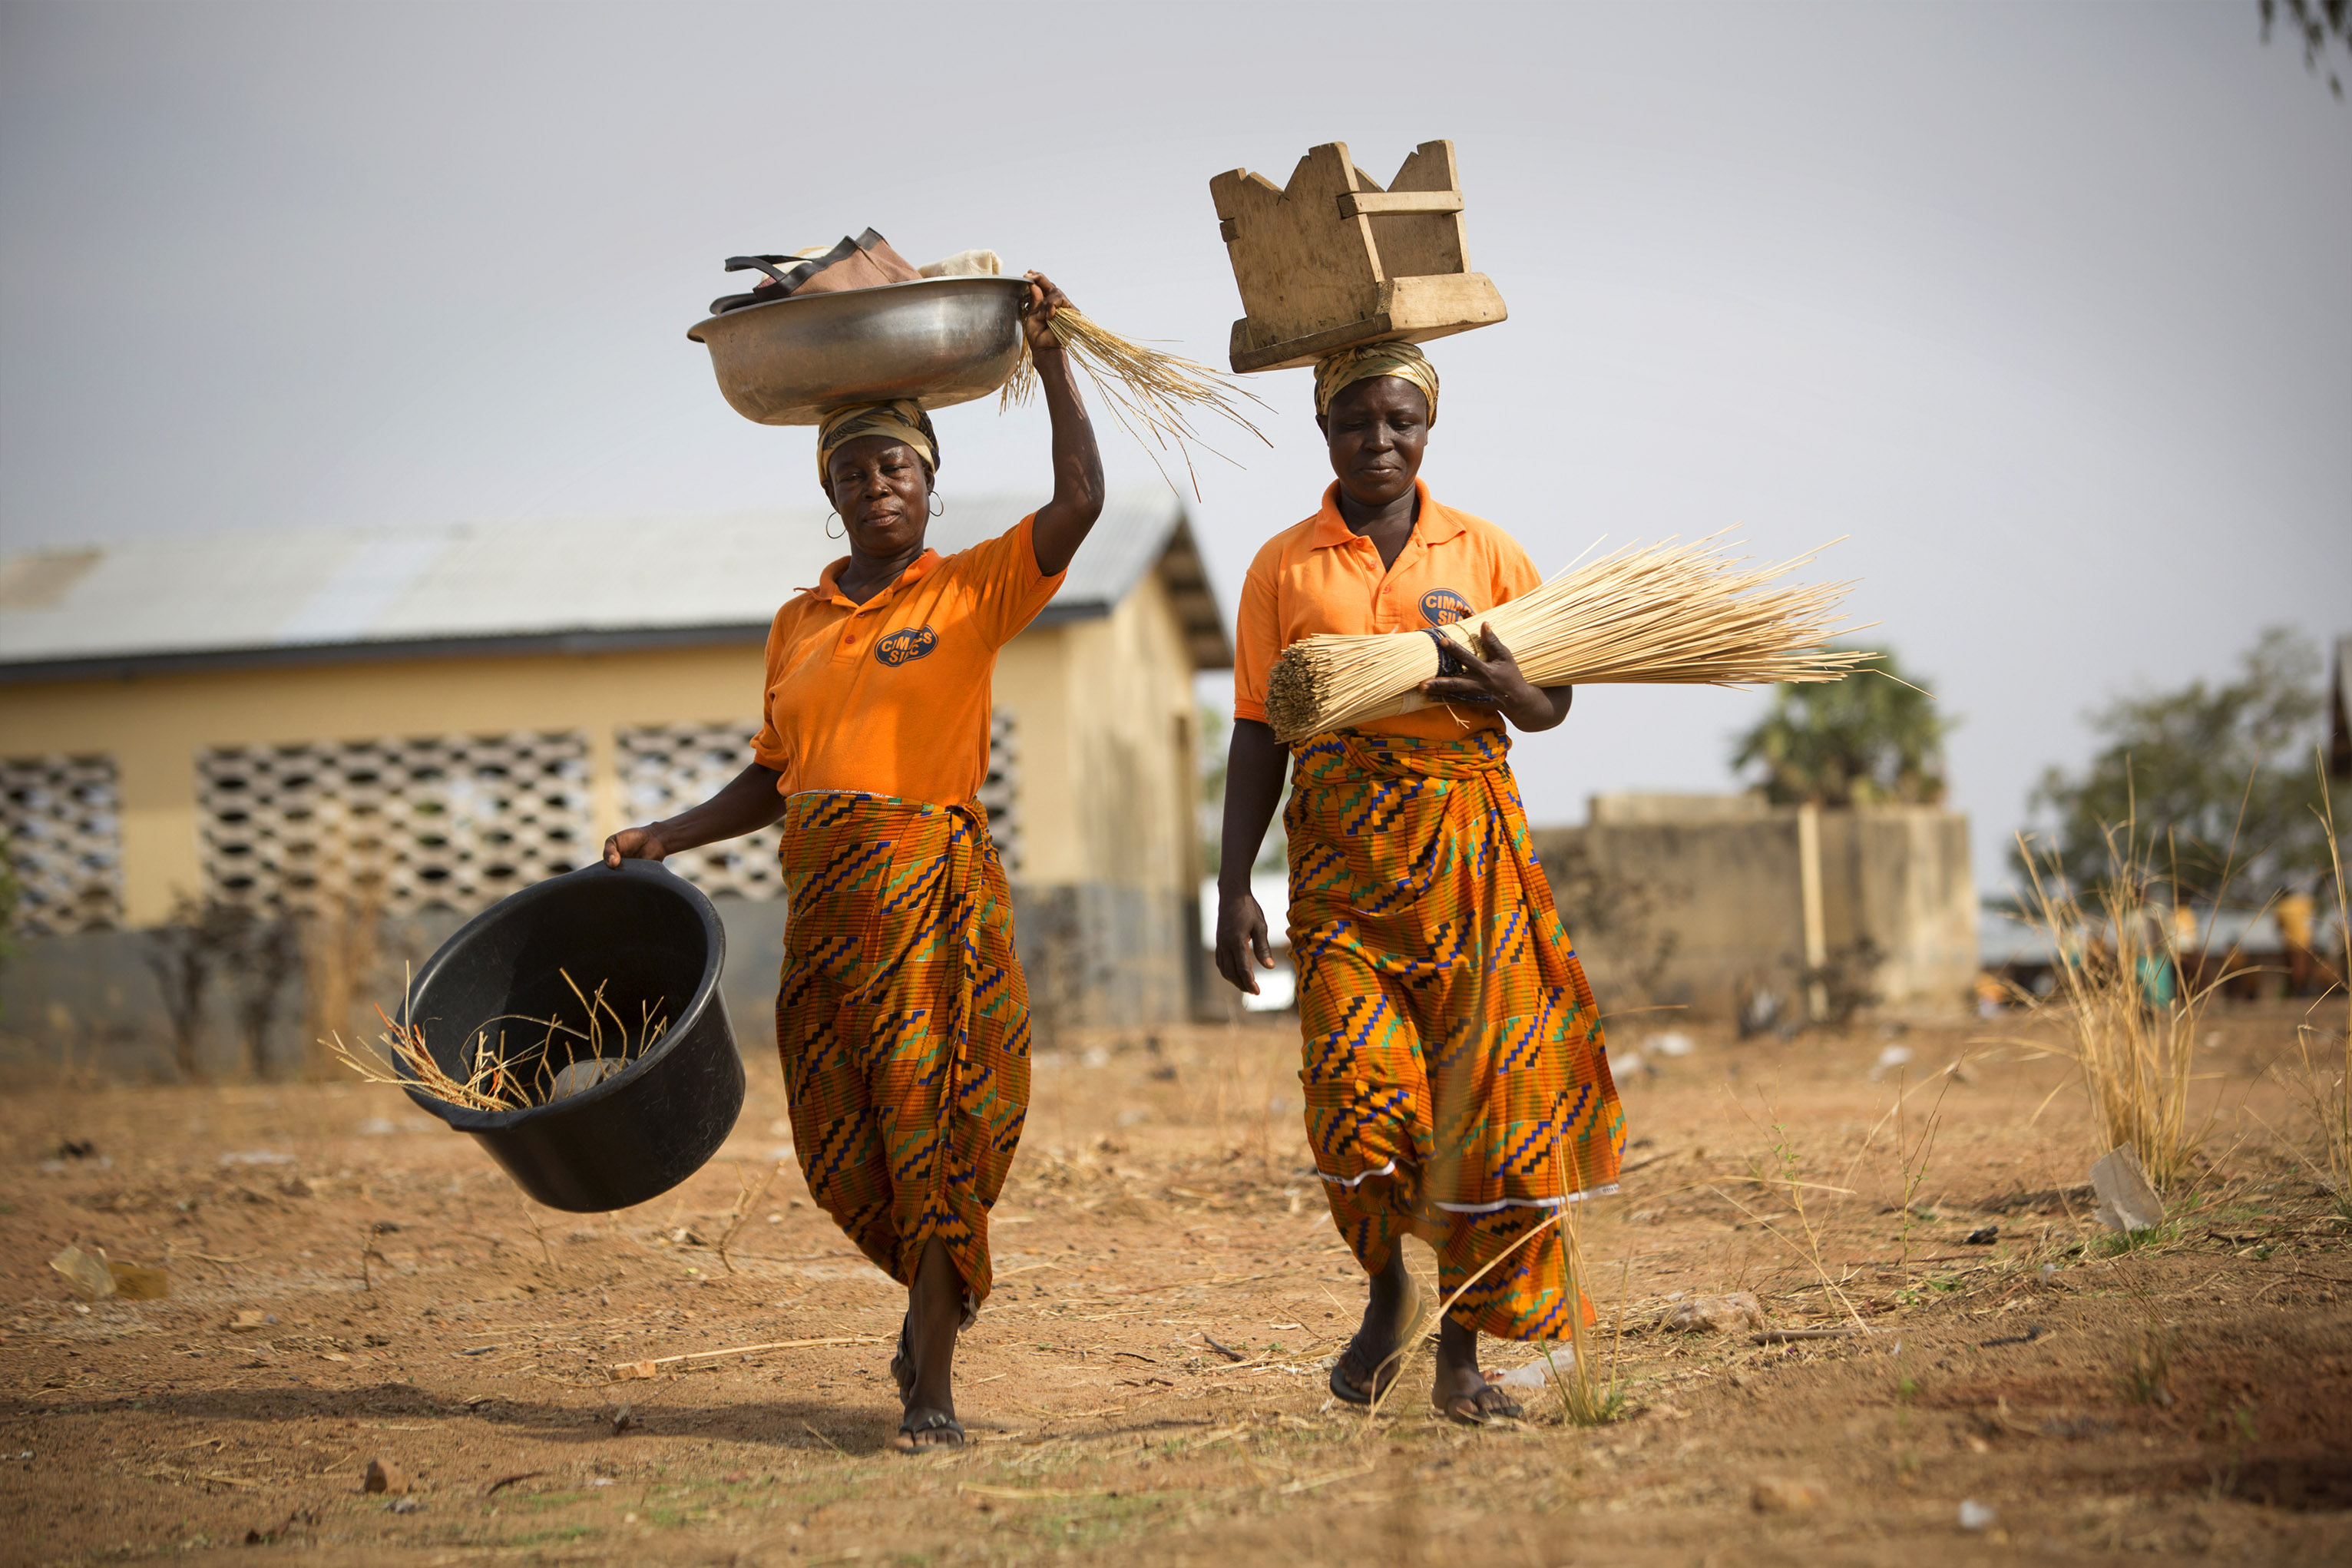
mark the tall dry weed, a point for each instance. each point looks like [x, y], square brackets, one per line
[2323, 1075]
[339, 936]
[1587, 1398]
[338, 914]
[2131, 1009]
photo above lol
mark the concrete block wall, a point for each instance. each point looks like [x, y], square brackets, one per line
[1721, 881]
[1096, 955]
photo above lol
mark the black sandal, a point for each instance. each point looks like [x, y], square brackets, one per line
[902, 1360]
[1353, 1394]
[936, 1421]
[1416, 1324]
[1481, 1412]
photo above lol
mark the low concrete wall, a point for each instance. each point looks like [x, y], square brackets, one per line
[1678, 915]
[1102, 956]
[1096, 956]
[93, 1003]
[1899, 876]
[1699, 902]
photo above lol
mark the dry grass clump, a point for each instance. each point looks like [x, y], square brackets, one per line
[338, 945]
[2325, 1069]
[1160, 393]
[1586, 1398]
[2113, 950]
[503, 1080]
[1656, 614]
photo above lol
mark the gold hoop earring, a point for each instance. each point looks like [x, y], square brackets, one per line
[830, 519]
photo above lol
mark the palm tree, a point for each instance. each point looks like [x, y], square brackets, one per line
[1871, 738]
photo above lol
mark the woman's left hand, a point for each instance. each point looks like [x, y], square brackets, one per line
[1527, 705]
[1043, 300]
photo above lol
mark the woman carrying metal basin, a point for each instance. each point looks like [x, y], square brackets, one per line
[902, 1016]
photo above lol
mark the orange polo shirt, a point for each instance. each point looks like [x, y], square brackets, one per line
[1320, 577]
[891, 696]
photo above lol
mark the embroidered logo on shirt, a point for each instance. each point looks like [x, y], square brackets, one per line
[905, 643]
[1443, 606]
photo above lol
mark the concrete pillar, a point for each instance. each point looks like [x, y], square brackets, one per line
[1809, 878]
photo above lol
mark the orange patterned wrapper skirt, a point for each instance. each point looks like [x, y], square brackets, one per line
[1456, 1080]
[902, 1018]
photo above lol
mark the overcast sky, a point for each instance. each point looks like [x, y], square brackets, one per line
[2048, 309]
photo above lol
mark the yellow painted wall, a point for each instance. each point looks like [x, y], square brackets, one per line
[154, 726]
[1105, 712]
[1104, 794]
[1130, 764]
[1030, 686]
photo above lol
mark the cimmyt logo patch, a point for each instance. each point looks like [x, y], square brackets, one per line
[905, 643]
[1443, 606]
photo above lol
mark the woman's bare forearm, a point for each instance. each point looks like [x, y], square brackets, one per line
[1064, 521]
[747, 804]
[1548, 713]
[1255, 763]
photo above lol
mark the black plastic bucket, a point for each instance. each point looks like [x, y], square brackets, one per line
[654, 944]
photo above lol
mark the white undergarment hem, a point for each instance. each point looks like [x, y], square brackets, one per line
[1390, 1170]
[1387, 1169]
[1501, 1204]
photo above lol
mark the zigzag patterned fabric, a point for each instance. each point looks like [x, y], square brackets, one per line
[1457, 1083]
[902, 1017]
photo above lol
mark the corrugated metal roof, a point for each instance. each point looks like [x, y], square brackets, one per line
[325, 593]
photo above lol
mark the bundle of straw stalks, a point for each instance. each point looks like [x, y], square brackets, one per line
[1153, 395]
[499, 1079]
[1664, 614]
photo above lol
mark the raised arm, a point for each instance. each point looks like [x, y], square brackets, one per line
[1254, 766]
[747, 804]
[1064, 521]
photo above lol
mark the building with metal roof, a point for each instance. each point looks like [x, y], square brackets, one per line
[404, 724]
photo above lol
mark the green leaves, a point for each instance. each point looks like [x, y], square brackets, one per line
[2219, 778]
[1873, 738]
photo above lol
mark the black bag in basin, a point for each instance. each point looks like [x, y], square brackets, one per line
[654, 944]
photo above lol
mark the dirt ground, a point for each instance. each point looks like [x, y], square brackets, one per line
[2187, 1399]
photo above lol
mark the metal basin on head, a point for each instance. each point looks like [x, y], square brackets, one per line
[940, 341]
[651, 941]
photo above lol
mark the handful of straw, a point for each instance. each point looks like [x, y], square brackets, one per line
[1668, 613]
[1160, 393]
[533, 1074]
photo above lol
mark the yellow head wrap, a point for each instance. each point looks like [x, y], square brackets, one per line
[1402, 360]
[901, 419]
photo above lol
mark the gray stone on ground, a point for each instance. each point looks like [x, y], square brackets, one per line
[1713, 1314]
[2128, 1200]
[1777, 1494]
